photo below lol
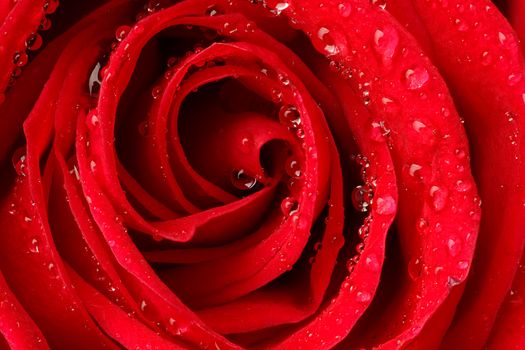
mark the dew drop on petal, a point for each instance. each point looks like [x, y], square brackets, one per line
[372, 262]
[439, 197]
[289, 206]
[122, 32]
[416, 78]
[289, 116]
[363, 297]
[454, 246]
[20, 58]
[386, 205]
[34, 42]
[414, 268]
[242, 181]
[50, 6]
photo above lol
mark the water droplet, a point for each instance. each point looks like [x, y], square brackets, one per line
[460, 25]
[276, 96]
[293, 168]
[361, 198]
[143, 128]
[213, 10]
[20, 58]
[439, 197]
[414, 268]
[289, 206]
[502, 38]
[385, 44]
[514, 78]
[422, 225]
[19, 161]
[94, 120]
[463, 265]
[379, 3]
[486, 58]
[122, 32]
[372, 262]
[33, 247]
[329, 46]
[34, 41]
[279, 7]
[386, 205]
[289, 116]
[50, 6]
[345, 9]
[143, 305]
[454, 246]
[363, 297]
[45, 24]
[416, 78]
[242, 181]
[92, 165]
[156, 91]
[463, 186]
[413, 168]
[453, 281]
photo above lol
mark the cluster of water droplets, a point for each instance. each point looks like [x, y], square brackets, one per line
[33, 41]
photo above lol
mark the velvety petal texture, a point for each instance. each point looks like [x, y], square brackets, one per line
[267, 174]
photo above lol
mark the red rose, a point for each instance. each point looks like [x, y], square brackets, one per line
[261, 174]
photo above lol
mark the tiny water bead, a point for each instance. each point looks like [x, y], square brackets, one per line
[243, 181]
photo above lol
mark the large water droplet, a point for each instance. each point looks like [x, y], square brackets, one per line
[121, 32]
[289, 116]
[34, 41]
[361, 198]
[243, 181]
